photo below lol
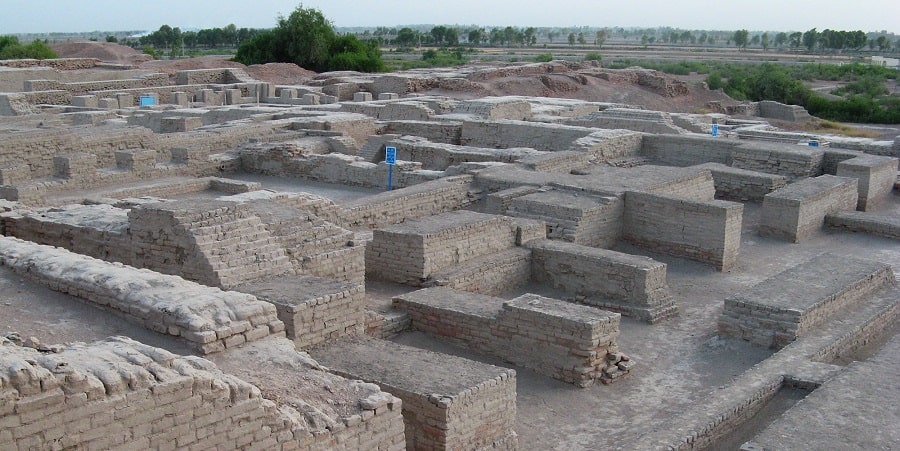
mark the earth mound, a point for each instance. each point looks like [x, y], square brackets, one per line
[108, 52]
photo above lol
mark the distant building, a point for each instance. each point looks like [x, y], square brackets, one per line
[886, 62]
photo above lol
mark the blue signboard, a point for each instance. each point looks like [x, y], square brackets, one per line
[813, 144]
[715, 129]
[390, 155]
[147, 100]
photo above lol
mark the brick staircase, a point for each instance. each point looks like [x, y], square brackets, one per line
[238, 247]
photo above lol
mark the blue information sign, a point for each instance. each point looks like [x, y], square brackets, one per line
[390, 155]
[715, 129]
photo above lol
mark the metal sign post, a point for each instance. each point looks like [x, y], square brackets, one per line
[390, 157]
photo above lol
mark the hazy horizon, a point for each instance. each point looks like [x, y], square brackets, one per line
[759, 15]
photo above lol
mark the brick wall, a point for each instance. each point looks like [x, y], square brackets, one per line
[633, 285]
[120, 393]
[707, 231]
[569, 342]
[688, 150]
[209, 319]
[796, 211]
[773, 313]
[743, 185]
[877, 176]
[501, 134]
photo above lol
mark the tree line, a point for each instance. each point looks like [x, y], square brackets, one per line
[11, 48]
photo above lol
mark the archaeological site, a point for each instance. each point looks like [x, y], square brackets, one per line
[462, 259]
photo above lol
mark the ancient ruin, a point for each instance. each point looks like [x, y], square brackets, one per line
[210, 260]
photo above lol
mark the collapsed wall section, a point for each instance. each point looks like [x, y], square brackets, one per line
[706, 231]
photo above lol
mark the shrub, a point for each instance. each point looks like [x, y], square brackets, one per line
[543, 58]
[593, 56]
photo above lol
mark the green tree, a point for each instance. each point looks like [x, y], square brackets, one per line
[407, 37]
[741, 38]
[764, 41]
[11, 48]
[476, 36]
[307, 39]
[601, 37]
[781, 39]
[571, 38]
[810, 39]
[551, 35]
[581, 39]
[306, 36]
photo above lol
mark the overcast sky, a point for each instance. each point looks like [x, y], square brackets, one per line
[38, 16]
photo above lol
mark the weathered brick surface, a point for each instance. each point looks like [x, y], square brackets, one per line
[743, 185]
[633, 285]
[708, 231]
[877, 176]
[472, 407]
[569, 342]
[786, 306]
[313, 310]
[208, 318]
[122, 394]
[414, 251]
[796, 211]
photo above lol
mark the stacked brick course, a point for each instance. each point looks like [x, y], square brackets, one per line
[120, 393]
[796, 211]
[633, 285]
[209, 319]
[786, 306]
[569, 342]
[313, 310]
[705, 231]
[472, 407]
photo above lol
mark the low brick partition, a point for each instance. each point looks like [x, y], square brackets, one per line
[856, 221]
[448, 402]
[412, 252]
[743, 185]
[796, 211]
[688, 150]
[425, 199]
[493, 274]
[790, 160]
[122, 394]
[209, 319]
[570, 342]
[706, 231]
[791, 304]
[573, 216]
[313, 309]
[633, 285]
[876, 176]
